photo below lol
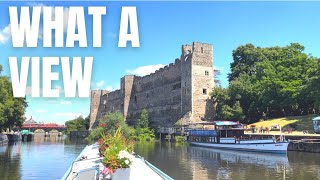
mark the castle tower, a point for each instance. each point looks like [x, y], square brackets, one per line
[197, 81]
[95, 105]
[186, 80]
[202, 81]
[126, 91]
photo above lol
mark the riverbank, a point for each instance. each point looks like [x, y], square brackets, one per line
[297, 123]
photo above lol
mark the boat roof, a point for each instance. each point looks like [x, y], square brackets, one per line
[316, 118]
[218, 123]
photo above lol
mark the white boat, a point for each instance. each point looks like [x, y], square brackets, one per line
[88, 166]
[229, 135]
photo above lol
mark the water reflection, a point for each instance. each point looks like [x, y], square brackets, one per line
[43, 158]
[189, 162]
[49, 158]
[10, 162]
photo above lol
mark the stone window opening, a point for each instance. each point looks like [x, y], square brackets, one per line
[204, 91]
[206, 73]
[135, 99]
[201, 49]
[147, 95]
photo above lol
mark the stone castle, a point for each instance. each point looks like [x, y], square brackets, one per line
[179, 90]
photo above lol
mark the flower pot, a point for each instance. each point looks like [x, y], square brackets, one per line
[121, 174]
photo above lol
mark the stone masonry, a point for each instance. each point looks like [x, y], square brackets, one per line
[179, 89]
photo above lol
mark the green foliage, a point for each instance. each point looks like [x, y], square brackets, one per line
[112, 121]
[270, 82]
[95, 134]
[226, 108]
[145, 134]
[11, 109]
[77, 124]
[143, 122]
[143, 131]
[109, 124]
[180, 139]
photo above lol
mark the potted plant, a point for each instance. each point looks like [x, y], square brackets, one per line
[118, 155]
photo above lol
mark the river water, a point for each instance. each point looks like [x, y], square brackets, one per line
[46, 159]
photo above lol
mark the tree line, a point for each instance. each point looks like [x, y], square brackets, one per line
[268, 83]
[11, 109]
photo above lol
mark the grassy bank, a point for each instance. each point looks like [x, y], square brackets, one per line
[298, 123]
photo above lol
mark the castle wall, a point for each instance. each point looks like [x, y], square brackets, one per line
[168, 94]
[159, 93]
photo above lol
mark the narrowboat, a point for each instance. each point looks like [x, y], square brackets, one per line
[230, 135]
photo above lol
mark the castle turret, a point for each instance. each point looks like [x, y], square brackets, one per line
[197, 80]
[95, 105]
[202, 81]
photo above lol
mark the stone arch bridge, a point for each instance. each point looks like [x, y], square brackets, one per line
[44, 127]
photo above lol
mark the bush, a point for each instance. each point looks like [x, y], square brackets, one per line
[95, 134]
[180, 139]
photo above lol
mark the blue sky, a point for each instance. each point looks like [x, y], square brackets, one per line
[163, 28]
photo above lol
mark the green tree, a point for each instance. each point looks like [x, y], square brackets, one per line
[143, 122]
[273, 81]
[226, 108]
[112, 121]
[87, 122]
[11, 109]
[76, 124]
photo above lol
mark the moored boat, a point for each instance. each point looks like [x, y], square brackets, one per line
[230, 135]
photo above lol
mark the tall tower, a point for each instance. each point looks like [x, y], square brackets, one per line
[126, 91]
[95, 106]
[186, 80]
[197, 81]
[202, 81]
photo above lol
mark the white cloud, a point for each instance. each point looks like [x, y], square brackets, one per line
[109, 88]
[100, 83]
[65, 102]
[5, 34]
[145, 70]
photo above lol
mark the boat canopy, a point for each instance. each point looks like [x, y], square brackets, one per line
[226, 123]
[211, 133]
[316, 118]
[217, 123]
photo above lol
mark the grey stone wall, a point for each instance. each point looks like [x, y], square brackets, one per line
[168, 94]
